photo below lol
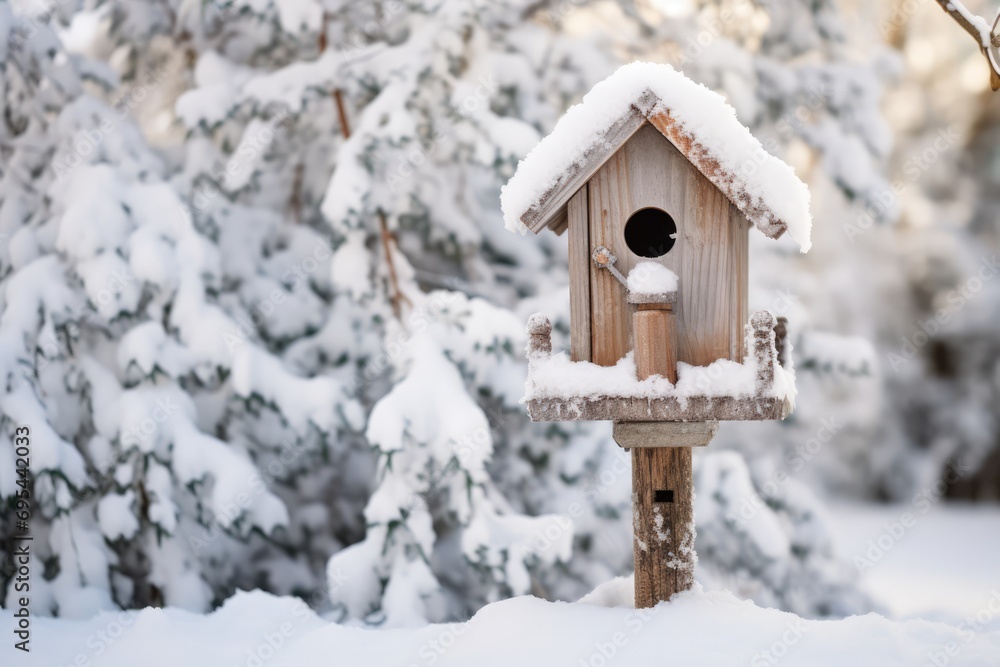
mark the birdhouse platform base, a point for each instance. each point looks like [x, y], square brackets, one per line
[664, 434]
[757, 389]
[659, 409]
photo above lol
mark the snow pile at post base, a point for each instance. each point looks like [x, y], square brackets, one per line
[696, 628]
[703, 114]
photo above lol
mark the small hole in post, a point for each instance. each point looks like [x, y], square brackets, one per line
[663, 496]
[650, 232]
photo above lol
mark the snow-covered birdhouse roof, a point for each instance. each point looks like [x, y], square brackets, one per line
[696, 120]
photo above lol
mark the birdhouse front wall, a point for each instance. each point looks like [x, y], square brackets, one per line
[709, 254]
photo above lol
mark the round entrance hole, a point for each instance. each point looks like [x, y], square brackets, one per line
[650, 232]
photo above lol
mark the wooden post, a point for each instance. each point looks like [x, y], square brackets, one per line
[655, 336]
[662, 523]
[662, 481]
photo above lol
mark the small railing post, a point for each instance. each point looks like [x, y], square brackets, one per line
[764, 352]
[780, 334]
[539, 331]
[654, 331]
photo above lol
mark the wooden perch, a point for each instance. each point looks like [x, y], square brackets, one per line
[396, 296]
[987, 38]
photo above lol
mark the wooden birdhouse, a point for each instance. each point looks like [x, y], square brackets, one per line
[657, 185]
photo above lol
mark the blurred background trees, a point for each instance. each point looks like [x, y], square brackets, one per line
[281, 221]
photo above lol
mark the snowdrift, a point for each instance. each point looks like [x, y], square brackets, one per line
[696, 628]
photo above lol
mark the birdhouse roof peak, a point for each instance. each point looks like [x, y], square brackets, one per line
[696, 120]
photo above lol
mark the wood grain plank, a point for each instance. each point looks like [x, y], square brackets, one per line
[579, 272]
[699, 157]
[650, 327]
[694, 409]
[550, 205]
[612, 326]
[740, 230]
[709, 255]
[664, 434]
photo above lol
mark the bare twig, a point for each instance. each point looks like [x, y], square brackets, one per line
[396, 296]
[295, 199]
[338, 97]
[986, 37]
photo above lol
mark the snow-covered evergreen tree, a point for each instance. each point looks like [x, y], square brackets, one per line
[119, 356]
[240, 313]
[290, 355]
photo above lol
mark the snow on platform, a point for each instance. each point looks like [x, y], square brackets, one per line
[559, 377]
[558, 388]
[695, 629]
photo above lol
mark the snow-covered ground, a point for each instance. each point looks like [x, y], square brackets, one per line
[257, 629]
[944, 565]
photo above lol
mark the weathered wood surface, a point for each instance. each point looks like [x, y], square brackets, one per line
[757, 407]
[550, 210]
[711, 249]
[694, 409]
[651, 299]
[655, 344]
[765, 219]
[780, 334]
[765, 353]
[663, 531]
[539, 330]
[579, 269]
[664, 434]
[655, 353]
